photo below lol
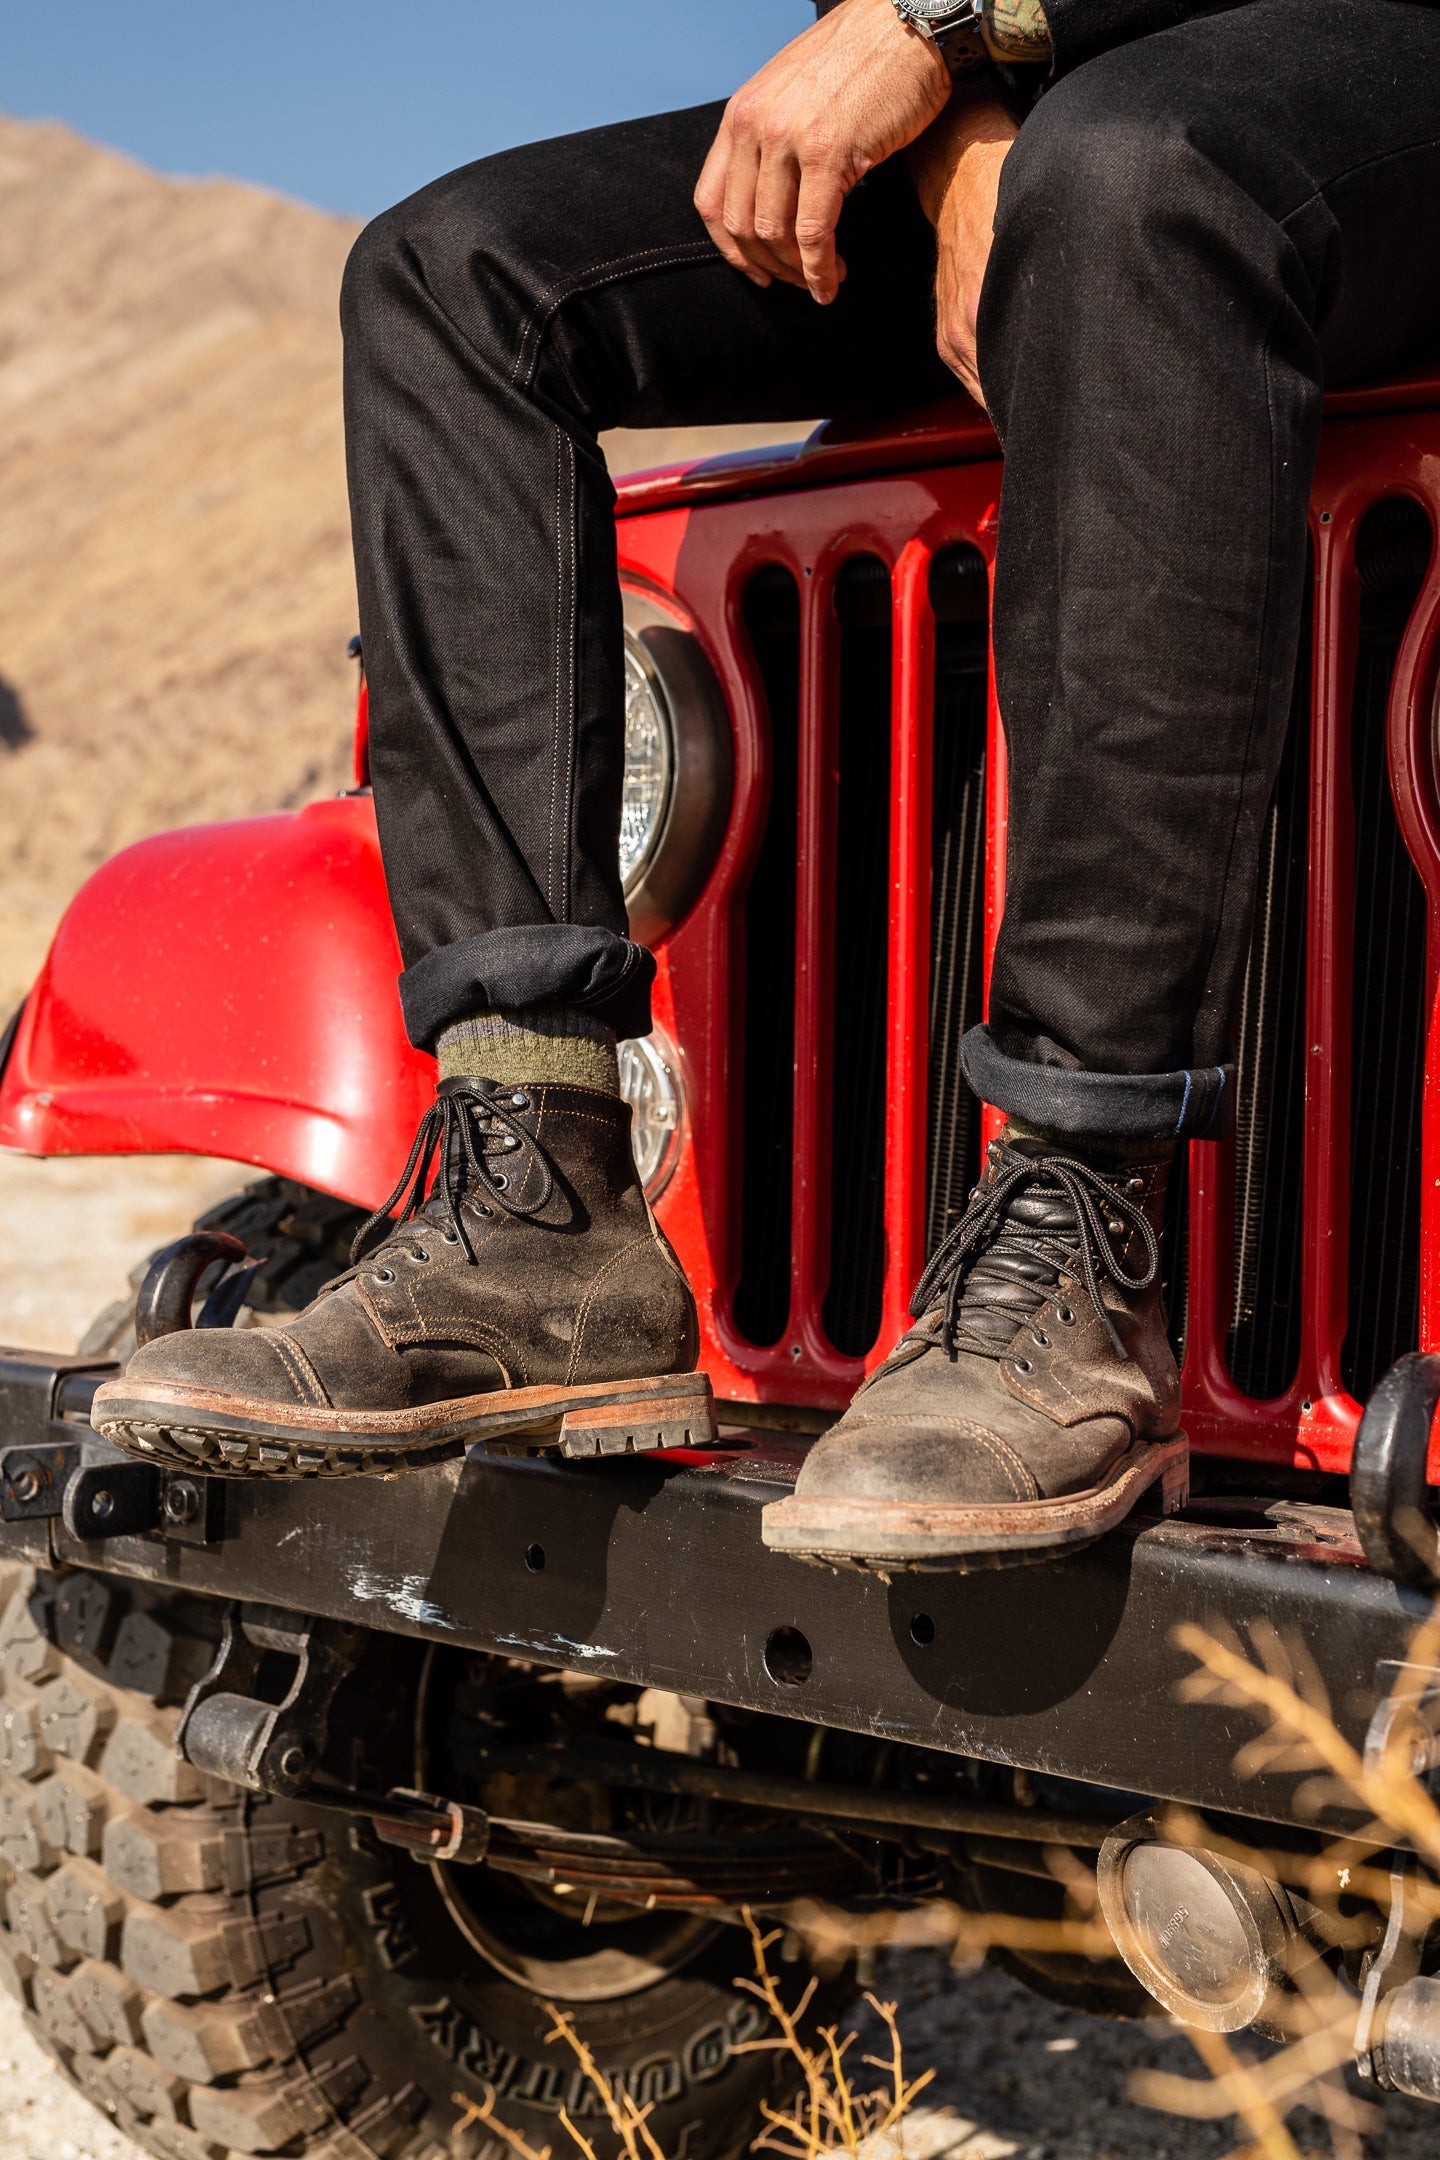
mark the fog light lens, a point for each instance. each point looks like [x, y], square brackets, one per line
[650, 1083]
[1188, 1926]
[649, 764]
[1220, 1943]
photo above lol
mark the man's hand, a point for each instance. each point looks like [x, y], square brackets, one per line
[956, 170]
[797, 137]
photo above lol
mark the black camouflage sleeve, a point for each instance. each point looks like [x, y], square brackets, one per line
[1073, 30]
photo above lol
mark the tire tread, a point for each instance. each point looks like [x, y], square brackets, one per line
[132, 1934]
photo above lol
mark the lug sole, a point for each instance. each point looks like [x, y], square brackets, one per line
[185, 1428]
[883, 1534]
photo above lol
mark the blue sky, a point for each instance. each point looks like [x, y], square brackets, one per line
[354, 105]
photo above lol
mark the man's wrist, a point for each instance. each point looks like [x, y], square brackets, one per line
[933, 57]
[951, 28]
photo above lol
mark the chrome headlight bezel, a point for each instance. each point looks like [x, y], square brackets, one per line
[650, 1082]
[649, 759]
[665, 662]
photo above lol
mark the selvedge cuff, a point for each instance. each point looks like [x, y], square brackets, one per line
[534, 964]
[1197, 1105]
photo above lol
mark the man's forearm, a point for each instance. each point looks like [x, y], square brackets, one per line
[973, 125]
[955, 167]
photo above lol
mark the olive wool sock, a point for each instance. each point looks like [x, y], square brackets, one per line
[531, 1043]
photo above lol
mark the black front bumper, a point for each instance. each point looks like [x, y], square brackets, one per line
[653, 1572]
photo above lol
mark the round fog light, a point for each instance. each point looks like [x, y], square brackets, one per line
[1186, 1924]
[650, 1083]
[1217, 1942]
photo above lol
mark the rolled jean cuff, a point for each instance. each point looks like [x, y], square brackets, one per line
[537, 964]
[1198, 1105]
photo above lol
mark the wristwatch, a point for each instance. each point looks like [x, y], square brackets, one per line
[970, 32]
[954, 27]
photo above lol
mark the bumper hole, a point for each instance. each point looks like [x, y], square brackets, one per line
[788, 1657]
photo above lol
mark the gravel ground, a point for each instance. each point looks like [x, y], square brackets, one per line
[1015, 2075]
[72, 1228]
[41, 2117]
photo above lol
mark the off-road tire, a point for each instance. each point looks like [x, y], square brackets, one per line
[303, 1237]
[224, 1973]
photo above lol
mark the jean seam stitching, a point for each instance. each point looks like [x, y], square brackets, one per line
[1260, 645]
[608, 990]
[1384, 157]
[558, 692]
[568, 453]
[618, 267]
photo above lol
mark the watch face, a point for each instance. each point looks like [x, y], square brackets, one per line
[940, 13]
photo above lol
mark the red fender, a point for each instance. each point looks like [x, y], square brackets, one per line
[228, 990]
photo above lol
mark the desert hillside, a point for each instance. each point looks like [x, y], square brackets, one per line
[175, 589]
[175, 582]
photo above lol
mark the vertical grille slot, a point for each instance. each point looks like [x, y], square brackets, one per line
[767, 1114]
[1392, 551]
[960, 599]
[1175, 1255]
[851, 1307]
[1263, 1346]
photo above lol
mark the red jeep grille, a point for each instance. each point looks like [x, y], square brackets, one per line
[859, 815]
[844, 936]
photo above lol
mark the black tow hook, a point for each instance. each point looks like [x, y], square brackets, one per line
[167, 1294]
[1389, 1491]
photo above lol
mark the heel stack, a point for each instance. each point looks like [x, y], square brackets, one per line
[680, 1418]
[1175, 1483]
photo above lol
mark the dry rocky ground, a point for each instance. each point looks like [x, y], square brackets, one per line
[175, 597]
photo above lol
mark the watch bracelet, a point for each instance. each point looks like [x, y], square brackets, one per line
[964, 49]
[1003, 30]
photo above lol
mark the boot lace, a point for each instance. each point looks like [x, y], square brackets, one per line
[1100, 1216]
[467, 1123]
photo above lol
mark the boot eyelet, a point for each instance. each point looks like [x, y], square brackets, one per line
[1065, 1316]
[419, 1258]
[384, 1275]
[1023, 1364]
[519, 1101]
[485, 1210]
[451, 1237]
[1043, 1341]
[500, 1181]
[1135, 1184]
[1115, 1226]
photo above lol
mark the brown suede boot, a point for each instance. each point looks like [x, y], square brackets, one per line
[531, 1302]
[1036, 1399]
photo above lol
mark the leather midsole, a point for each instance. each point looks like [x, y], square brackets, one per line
[500, 1410]
[900, 1526]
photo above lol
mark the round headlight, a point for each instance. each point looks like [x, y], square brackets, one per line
[675, 795]
[649, 764]
[650, 1083]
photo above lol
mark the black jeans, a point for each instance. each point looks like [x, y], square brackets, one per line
[1196, 231]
